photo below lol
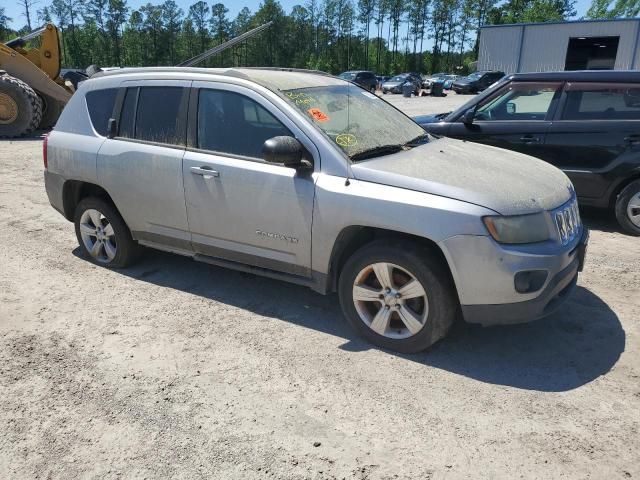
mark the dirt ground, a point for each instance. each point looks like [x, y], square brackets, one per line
[175, 369]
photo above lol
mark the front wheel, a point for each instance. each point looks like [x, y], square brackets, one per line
[628, 208]
[398, 295]
[103, 235]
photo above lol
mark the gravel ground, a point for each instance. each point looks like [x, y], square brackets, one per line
[175, 369]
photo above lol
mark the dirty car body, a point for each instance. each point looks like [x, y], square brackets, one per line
[501, 239]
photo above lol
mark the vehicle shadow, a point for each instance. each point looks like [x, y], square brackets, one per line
[599, 219]
[559, 353]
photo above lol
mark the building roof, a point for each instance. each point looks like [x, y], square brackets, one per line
[564, 22]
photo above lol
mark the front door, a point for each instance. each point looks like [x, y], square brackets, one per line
[141, 167]
[516, 118]
[596, 136]
[241, 208]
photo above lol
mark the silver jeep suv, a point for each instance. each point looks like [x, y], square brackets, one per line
[304, 177]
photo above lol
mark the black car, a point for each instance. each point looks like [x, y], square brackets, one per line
[364, 78]
[476, 82]
[585, 122]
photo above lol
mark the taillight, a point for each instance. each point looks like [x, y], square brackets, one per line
[44, 151]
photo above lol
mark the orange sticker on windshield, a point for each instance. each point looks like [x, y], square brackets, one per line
[318, 115]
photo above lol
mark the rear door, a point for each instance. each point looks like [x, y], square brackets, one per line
[240, 207]
[595, 136]
[516, 117]
[141, 167]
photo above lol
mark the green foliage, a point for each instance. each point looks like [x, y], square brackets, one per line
[387, 36]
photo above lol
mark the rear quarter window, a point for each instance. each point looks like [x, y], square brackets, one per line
[100, 106]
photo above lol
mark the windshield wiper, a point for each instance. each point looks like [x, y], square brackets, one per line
[377, 152]
[419, 140]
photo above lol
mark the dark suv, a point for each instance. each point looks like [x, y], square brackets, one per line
[585, 122]
[476, 82]
[365, 79]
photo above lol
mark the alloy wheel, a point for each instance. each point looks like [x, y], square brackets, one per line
[98, 236]
[633, 209]
[390, 300]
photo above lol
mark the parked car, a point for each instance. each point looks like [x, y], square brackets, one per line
[430, 79]
[587, 123]
[476, 82]
[394, 84]
[448, 81]
[381, 79]
[365, 79]
[299, 176]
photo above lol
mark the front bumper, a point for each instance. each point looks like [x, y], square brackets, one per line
[487, 294]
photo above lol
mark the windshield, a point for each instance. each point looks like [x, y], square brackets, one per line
[474, 76]
[357, 121]
[398, 78]
[347, 76]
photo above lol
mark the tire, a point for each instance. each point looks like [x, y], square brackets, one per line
[20, 108]
[51, 111]
[434, 307]
[627, 208]
[118, 249]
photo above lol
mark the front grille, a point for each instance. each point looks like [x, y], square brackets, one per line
[568, 223]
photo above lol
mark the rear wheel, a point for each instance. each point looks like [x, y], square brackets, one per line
[20, 107]
[397, 295]
[628, 208]
[51, 111]
[103, 235]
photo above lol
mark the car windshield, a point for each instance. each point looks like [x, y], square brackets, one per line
[399, 78]
[360, 123]
[474, 76]
[347, 76]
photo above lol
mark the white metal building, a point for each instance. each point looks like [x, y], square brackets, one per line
[556, 46]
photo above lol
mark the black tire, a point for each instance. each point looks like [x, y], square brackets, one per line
[427, 268]
[51, 111]
[20, 108]
[628, 193]
[127, 250]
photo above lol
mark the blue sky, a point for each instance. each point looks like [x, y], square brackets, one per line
[12, 9]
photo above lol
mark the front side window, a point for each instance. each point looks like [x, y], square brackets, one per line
[357, 121]
[232, 123]
[602, 102]
[519, 102]
[100, 106]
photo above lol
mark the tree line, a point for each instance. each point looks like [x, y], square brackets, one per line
[387, 36]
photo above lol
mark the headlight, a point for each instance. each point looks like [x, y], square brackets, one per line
[518, 228]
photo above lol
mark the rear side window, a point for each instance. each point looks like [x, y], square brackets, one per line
[158, 115]
[602, 102]
[100, 106]
[234, 124]
[153, 114]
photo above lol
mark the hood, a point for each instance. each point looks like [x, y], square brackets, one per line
[426, 119]
[463, 81]
[506, 182]
[393, 84]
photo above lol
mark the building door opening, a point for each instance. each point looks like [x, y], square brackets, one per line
[591, 53]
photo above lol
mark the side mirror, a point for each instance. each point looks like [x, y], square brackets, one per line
[467, 117]
[511, 108]
[112, 128]
[285, 150]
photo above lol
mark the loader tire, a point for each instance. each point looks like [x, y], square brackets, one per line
[20, 108]
[51, 111]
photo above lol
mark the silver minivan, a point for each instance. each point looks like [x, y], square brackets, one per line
[307, 178]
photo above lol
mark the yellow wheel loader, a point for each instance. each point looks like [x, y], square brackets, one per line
[32, 93]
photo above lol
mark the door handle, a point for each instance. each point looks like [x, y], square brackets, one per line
[204, 171]
[529, 139]
[632, 139]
